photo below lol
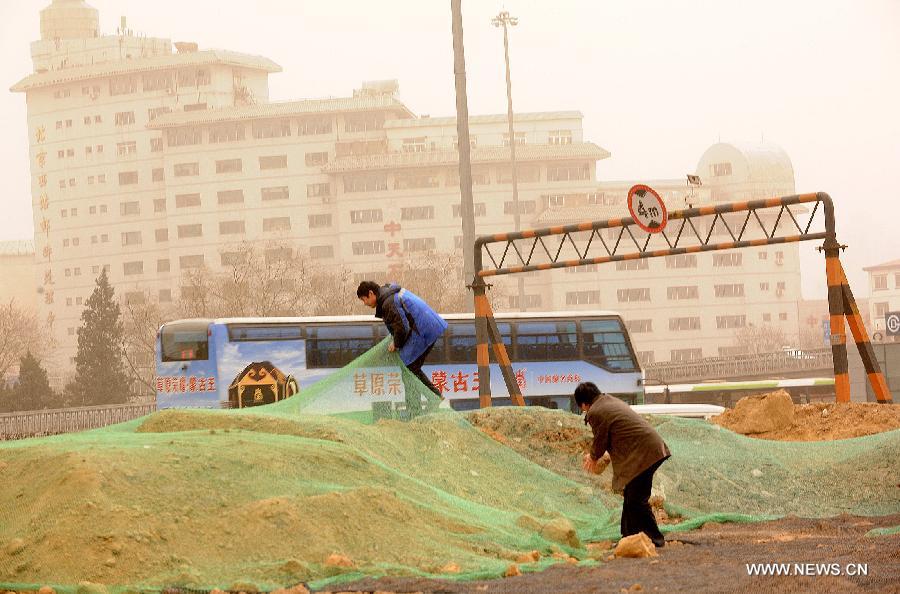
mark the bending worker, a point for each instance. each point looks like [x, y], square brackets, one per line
[636, 451]
[413, 325]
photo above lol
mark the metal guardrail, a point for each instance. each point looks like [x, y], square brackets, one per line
[19, 425]
[736, 367]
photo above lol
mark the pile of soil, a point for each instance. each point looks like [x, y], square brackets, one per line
[809, 422]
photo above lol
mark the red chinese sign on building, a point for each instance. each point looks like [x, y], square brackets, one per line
[175, 384]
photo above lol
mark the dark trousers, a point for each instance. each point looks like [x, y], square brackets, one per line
[413, 402]
[637, 516]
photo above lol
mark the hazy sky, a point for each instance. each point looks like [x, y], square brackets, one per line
[658, 82]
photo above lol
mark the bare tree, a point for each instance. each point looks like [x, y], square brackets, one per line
[761, 339]
[437, 277]
[142, 320]
[20, 332]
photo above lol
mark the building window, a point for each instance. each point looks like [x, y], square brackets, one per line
[730, 290]
[230, 196]
[639, 264]
[782, 316]
[316, 159]
[156, 145]
[764, 286]
[679, 293]
[732, 351]
[187, 200]
[530, 301]
[226, 133]
[719, 169]
[414, 145]
[186, 169]
[646, 357]
[480, 210]
[569, 172]
[525, 207]
[229, 166]
[193, 77]
[473, 142]
[419, 244]
[231, 227]
[129, 208]
[232, 258]
[372, 215]
[309, 126]
[880, 309]
[318, 190]
[682, 261]
[630, 295]
[278, 254]
[763, 255]
[162, 265]
[879, 282]
[728, 259]
[639, 326]
[589, 268]
[583, 298]
[767, 317]
[897, 280]
[165, 295]
[159, 205]
[318, 252]
[416, 213]
[560, 137]
[122, 85]
[158, 81]
[682, 324]
[186, 231]
[131, 238]
[273, 162]
[126, 148]
[363, 122]
[413, 180]
[365, 183]
[271, 128]
[727, 322]
[184, 136]
[124, 118]
[367, 248]
[72, 181]
[276, 224]
[161, 235]
[521, 139]
[195, 261]
[127, 178]
[524, 174]
[274, 193]
[481, 176]
[129, 268]
[317, 221]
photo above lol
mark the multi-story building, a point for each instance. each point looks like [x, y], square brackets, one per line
[17, 264]
[884, 297]
[151, 163]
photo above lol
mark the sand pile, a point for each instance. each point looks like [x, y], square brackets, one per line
[774, 416]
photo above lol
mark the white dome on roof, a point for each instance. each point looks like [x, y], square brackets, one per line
[749, 162]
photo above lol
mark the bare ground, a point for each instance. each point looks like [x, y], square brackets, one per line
[712, 559]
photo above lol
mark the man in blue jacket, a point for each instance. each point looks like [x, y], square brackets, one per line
[413, 325]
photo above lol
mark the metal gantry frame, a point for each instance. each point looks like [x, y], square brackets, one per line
[681, 236]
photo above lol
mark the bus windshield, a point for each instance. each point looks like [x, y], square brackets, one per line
[185, 341]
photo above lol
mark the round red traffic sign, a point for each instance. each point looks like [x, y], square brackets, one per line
[647, 208]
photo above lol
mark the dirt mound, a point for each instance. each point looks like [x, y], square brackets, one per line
[765, 417]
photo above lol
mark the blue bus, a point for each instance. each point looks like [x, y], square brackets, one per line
[239, 362]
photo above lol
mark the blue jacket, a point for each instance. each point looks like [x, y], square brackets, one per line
[413, 325]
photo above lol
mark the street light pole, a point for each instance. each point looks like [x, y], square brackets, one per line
[503, 19]
[466, 207]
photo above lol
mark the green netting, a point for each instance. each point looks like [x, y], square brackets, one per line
[263, 496]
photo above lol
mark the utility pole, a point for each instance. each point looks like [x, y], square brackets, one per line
[467, 208]
[503, 19]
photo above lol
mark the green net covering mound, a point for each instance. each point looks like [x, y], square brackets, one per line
[271, 496]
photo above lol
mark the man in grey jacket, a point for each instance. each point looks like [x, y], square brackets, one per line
[636, 451]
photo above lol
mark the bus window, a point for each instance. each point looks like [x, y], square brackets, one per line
[186, 341]
[461, 342]
[241, 333]
[337, 345]
[605, 345]
[546, 341]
